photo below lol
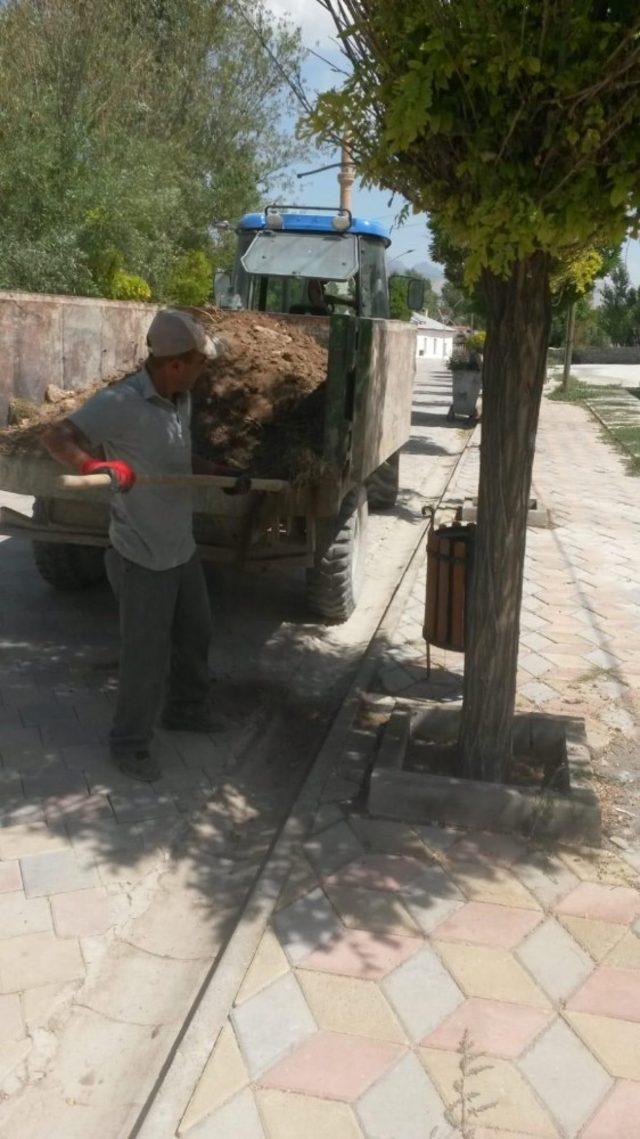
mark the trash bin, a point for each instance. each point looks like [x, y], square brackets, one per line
[466, 386]
[449, 564]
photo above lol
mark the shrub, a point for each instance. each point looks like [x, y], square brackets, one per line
[128, 287]
[191, 279]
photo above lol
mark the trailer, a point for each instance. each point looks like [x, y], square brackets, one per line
[321, 524]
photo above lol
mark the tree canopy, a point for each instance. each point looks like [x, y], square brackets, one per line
[127, 128]
[515, 126]
[527, 110]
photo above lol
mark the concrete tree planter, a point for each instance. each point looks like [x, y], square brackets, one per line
[563, 805]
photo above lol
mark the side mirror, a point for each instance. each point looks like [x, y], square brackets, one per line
[221, 285]
[415, 294]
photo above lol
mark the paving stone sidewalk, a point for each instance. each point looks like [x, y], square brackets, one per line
[417, 983]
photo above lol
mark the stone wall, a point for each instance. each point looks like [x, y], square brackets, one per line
[68, 341]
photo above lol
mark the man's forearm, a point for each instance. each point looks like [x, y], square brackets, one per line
[66, 444]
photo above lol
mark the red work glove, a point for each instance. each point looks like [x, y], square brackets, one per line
[121, 474]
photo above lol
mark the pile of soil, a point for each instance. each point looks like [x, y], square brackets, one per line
[259, 408]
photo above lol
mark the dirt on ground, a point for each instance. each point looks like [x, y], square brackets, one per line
[258, 408]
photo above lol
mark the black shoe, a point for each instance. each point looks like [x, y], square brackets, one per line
[138, 765]
[192, 719]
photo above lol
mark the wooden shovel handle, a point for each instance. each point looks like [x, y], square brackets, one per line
[224, 482]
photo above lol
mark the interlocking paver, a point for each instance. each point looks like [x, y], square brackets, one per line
[431, 897]
[619, 904]
[347, 1005]
[422, 992]
[268, 964]
[487, 924]
[626, 954]
[545, 876]
[495, 1027]
[371, 909]
[599, 938]
[238, 1117]
[612, 1120]
[272, 1022]
[500, 1094]
[492, 973]
[306, 924]
[331, 848]
[378, 872]
[405, 1094]
[494, 884]
[333, 1066]
[56, 872]
[361, 953]
[556, 961]
[225, 1074]
[289, 1116]
[609, 992]
[558, 1061]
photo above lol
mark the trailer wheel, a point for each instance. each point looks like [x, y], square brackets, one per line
[65, 565]
[334, 583]
[383, 485]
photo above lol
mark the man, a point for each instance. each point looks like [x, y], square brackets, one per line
[142, 426]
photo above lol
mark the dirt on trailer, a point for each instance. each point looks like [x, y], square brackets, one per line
[258, 408]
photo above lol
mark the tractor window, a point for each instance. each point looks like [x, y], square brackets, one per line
[327, 256]
[374, 290]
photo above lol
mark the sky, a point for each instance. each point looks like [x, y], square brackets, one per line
[410, 242]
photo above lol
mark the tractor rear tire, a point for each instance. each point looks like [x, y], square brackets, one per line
[383, 485]
[335, 581]
[65, 565]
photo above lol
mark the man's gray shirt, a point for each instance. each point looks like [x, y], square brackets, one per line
[151, 526]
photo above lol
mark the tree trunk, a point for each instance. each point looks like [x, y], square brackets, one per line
[518, 324]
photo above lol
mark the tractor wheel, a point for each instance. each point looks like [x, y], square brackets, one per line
[335, 581]
[383, 484]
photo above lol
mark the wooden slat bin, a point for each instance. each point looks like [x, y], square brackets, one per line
[449, 561]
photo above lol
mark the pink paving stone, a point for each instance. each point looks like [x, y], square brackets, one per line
[609, 992]
[494, 1027]
[500, 848]
[333, 1066]
[378, 872]
[618, 904]
[486, 924]
[10, 877]
[83, 913]
[612, 1121]
[360, 953]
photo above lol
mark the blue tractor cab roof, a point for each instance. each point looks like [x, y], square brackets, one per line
[315, 223]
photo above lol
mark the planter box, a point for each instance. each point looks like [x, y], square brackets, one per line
[566, 807]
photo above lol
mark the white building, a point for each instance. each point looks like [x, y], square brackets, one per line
[434, 340]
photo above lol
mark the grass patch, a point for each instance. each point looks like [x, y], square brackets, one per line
[577, 391]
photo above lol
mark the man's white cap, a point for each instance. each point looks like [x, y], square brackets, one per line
[172, 332]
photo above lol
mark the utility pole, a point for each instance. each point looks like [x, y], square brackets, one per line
[568, 345]
[346, 177]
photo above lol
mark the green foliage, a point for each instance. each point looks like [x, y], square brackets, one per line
[620, 308]
[127, 128]
[514, 125]
[398, 306]
[475, 343]
[191, 280]
[129, 287]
